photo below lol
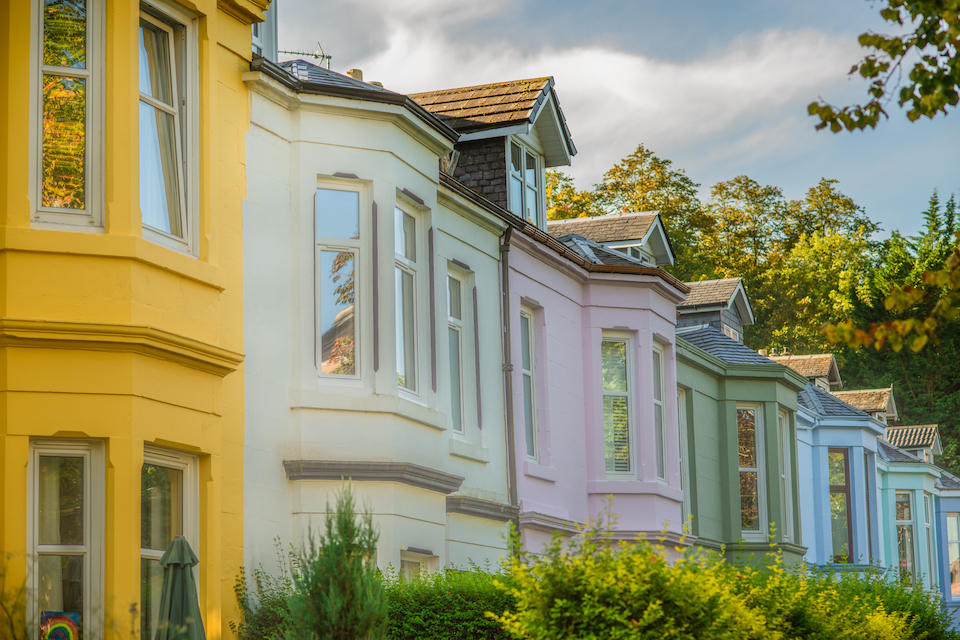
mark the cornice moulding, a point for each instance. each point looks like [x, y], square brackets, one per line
[407, 473]
[479, 508]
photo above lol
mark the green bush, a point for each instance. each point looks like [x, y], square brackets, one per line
[447, 605]
[263, 611]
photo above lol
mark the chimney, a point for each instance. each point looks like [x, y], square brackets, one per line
[356, 74]
[376, 84]
[763, 352]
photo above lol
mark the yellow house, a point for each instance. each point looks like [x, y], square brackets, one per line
[121, 332]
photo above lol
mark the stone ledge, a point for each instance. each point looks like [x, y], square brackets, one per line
[407, 473]
[479, 508]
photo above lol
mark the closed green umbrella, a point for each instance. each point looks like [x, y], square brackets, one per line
[179, 608]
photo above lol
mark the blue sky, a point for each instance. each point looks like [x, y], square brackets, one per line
[719, 88]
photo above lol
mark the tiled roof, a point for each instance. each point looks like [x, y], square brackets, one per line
[826, 404]
[866, 399]
[923, 435]
[949, 481]
[710, 292]
[812, 366]
[892, 454]
[597, 253]
[614, 227]
[472, 108]
[715, 343]
[309, 72]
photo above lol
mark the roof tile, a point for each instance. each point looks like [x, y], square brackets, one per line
[866, 399]
[468, 108]
[810, 366]
[715, 343]
[706, 292]
[893, 454]
[614, 227]
[922, 435]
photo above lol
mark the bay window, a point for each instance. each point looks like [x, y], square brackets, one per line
[750, 454]
[658, 413]
[455, 334]
[906, 547]
[405, 246]
[617, 407]
[168, 95]
[840, 516]
[786, 474]
[338, 246]
[69, 130]
[525, 183]
[65, 524]
[953, 553]
[528, 371]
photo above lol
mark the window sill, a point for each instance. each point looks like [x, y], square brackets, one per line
[635, 487]
[463, 449]
[348, 399]
[534, 470]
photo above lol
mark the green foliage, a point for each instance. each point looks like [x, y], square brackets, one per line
[447, 605]
[933, 80]
[337, 592]
[13, 608]
[262, 612]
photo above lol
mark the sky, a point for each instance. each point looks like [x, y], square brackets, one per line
[718, 88]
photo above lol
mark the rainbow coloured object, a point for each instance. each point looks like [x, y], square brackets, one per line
[59, 625]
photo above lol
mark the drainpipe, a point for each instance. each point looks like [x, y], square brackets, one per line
[508, 371]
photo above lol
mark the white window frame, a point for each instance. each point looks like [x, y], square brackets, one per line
[416, 268]
[94, 523]
[90, 218]
[629, 394]
[660, 430]
[764, 522]
[170, 15]
[357, 249]
[928, 526]
[731, 333]
[540, 188]
[906, 523]
[786, 473]
[256, 37]
[527, 316]
[189, 502]
[457, 325]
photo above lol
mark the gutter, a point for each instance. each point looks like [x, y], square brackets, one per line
[293, 83]
[508, 376]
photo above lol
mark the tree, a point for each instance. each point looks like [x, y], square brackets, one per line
[932, 81]
[565, 201]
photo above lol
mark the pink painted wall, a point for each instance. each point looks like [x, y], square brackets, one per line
[571, 309]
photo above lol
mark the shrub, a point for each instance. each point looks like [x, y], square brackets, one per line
[337, 593]
[447, 605]
[263, 612]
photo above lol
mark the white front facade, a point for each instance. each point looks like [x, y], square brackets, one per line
[434, 476]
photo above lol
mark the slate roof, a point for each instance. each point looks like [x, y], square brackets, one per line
[715, 343]
[706, 292]
[949, 481]
[614, 227]
[502, 103]
[892, 454]
[826, 404]
[866, 399]
[811, 366]
[309, 72]
[923, 435]
[597, 253]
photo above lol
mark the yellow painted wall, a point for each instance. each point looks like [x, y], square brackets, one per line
[110, 337]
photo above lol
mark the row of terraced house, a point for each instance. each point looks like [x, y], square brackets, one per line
[230, 283]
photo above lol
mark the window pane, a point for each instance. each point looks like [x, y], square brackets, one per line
[838, 470]
[613, 365]
[531, 171]
[525, 342]
[338, 214]
[749, 501]
[65, 33]
[405, 238]
[747, 438]
[616, 434]
[904, 512]
[838, 523]
[337, 313]
[528, 415]
[455, 388]
[516, 164]
[406, 355]
[155, 76]
[657, 376]
[953, 527]
[658, 434]
[151, 584]
[531, 205]
[453, 298]
[954, 551]
[159, 182]
[61, 500]
[64, 142]
[905, 548]
[516, 196]
[161, 513]
[60, 584]
[926, 509]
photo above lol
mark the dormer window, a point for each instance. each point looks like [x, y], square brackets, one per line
[731, 333]
[525, 183]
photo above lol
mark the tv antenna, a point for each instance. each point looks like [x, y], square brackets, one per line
[318, 54]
